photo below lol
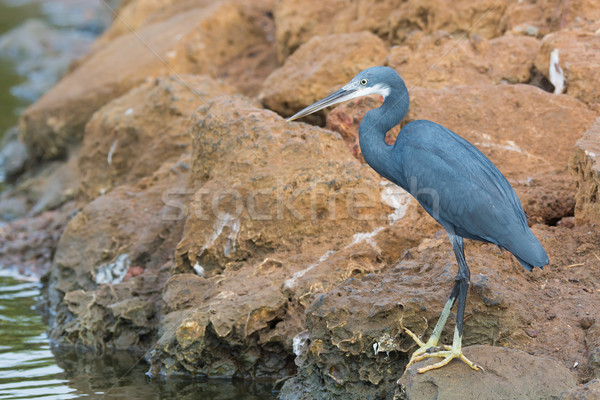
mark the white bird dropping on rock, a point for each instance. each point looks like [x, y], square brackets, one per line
[557, 77]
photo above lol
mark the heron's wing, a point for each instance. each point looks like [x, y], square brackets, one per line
[456, 183]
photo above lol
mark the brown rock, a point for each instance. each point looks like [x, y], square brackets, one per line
[262, 184]
[299, 22]
[592, 341]
[240, 328]
[585, 168]
[506, 374]
[589, 391]
[27, 245]
[132, 225]
[200, 40]
[132, 16]
[133, 135]
[439, 60]
[290, 239]
[321, 65]
[579, 54]
[355, 346]
[185, 291]
[539, 18]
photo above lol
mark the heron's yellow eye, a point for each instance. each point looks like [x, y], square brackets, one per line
[363, 81]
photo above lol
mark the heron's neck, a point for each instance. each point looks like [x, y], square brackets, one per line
[375, 125]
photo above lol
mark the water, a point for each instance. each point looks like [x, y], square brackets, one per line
[10, 106]
[30, 370]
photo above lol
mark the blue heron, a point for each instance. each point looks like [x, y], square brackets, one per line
[451, 179]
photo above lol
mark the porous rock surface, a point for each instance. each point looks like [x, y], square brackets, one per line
[205, 232]
[522, 376]
[579, 54]
[318, 68]
[585, 167]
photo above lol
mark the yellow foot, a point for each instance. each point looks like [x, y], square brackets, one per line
[447, 356]
[430, 346]
[430, 349]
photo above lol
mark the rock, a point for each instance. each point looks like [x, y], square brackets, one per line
[132, 16]
[42, 189]
[200, 40]
[355, 346]
[490, 117]
[88, 16]
[251, 224]
[261, 183]
[133, 135]
[356, 339]
[13, 156]
[217, 239]
[185, 291]
[27, 244]
[589, 391]
[297, 22]
[126, 228]
[585, 168]
[506, 374]
[592, 341]
[12, 208]
[540, 18]
[474, 61]
[579, 54]
[319, 67]
[42, 54]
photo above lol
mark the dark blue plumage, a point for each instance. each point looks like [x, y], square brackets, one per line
[474, 200]
[453, 181]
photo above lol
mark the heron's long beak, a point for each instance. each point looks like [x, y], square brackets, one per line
[334, 98]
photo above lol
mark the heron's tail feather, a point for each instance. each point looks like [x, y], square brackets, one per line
[531, 254]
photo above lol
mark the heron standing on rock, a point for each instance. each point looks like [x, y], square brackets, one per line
[453, 181]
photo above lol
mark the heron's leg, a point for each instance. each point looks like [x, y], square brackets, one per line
[462, 280]
[439, 326]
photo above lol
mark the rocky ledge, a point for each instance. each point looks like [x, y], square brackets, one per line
[175, 213]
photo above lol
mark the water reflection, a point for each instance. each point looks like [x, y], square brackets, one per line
[27, 366]
[30, 370]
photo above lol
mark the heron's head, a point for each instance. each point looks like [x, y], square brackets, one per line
[374, 80]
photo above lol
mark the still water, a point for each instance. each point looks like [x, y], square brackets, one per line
[30, 370]
[10, 106]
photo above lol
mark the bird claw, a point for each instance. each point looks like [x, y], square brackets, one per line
[447, 355]
[430, 349]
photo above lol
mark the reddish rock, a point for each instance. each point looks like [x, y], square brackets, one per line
[291, 246]
[271, 187]
[290, 235]
[439, 60]
[579, 54]
[133, 15]
[393, 20]
[133, 271]
[200, 41]
[585, 167]
[540, 17]
[131, 225]
[133, 135]
[321, 65]
[520, 376]
[355, 346]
